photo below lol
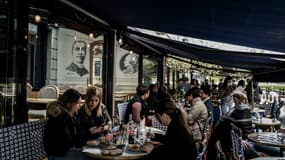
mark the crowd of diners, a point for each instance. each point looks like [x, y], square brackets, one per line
[70, 125]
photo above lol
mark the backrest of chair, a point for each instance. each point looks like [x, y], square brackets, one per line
[122, 108]
[202, 150]
[155, 124]
[208, 125]
[50, 91]
[204, 143]
[236, 135]
[23, 141]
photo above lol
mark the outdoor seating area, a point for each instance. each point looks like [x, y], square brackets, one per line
[142, 80]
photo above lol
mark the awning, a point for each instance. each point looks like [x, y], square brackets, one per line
[249, 61]
[257, 24]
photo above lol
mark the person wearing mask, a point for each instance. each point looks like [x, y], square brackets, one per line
[93, 115]
[178, 141]
[61, 138]
[137, 105]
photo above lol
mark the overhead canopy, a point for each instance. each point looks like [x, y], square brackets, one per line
[258, 23]
[250, 61]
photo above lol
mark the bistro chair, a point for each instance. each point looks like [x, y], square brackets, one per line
[206, 136]
[38, 111]
[50, 91]
[236, 135]
[156, 124]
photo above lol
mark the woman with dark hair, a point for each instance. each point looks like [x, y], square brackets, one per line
[178, 142]
[61, 137]
[93, 115]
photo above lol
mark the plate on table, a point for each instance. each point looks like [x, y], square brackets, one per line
[155, 143]
[134, 148]
[112, 152]
[94, 143]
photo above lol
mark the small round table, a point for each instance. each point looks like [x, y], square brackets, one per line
[96, 153]
[266, 123]
[269, 139]
[269, 158]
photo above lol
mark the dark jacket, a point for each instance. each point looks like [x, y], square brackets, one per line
[178, 143]
[86, 122]
[60, 132]
[151, 101]
[222, 132]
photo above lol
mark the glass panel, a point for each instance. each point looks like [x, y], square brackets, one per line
[7, 59]
[150, 68]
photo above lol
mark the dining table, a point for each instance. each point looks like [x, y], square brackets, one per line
[275, 139]
[44, 100]
[266, 124]
[269, 158]
[97, 152]
[40, 100]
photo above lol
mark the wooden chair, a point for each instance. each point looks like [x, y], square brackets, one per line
[237, 148]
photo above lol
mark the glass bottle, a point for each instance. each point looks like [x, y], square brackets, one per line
[109, 136]
[131, 130]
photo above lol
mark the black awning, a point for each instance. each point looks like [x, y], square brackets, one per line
[255, 23]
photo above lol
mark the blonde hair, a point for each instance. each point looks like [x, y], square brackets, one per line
[93, 91]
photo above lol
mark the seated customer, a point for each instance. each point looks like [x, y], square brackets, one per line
[60, 137]
[240, 116]
[93, 115]
[178, 142]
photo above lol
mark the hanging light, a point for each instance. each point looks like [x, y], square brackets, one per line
[38, 18]
[120, 40]
[91, 35]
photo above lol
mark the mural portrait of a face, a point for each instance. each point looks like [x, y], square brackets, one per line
[129, 63]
